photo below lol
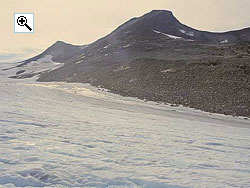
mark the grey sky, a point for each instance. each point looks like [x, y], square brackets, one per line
[84, 21]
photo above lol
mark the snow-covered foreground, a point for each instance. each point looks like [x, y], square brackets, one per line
[71, 135]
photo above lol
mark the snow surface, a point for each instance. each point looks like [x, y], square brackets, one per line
[170, 36]
[73, 135]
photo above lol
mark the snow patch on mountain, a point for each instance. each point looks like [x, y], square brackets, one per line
[187, 33]
[224, 41]
[170, 36]
[46, 58]
[78, 62]
[105, 47]
[126, 46]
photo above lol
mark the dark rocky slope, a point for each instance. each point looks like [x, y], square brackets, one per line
[217, 83]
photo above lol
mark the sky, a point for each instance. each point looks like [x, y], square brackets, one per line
[84, 21]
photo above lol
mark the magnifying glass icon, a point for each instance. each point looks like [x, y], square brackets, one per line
[22, 21]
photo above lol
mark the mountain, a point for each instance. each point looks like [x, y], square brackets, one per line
[60, 52]
[155, 30]
[164, 22]
[154, 35]
[155, 57]
[52, 58]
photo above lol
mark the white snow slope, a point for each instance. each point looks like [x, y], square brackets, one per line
[43, 64]
[170, 36]
[72, 135]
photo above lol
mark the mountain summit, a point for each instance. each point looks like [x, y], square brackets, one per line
[156, 19]
[164, 22]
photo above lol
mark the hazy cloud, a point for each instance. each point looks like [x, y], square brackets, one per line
[18, 55]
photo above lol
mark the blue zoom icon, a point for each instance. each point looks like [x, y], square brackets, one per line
[22, 21]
